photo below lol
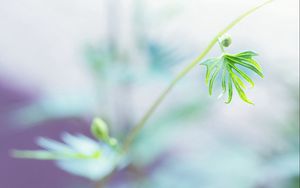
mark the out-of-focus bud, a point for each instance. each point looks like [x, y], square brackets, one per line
[99, 129]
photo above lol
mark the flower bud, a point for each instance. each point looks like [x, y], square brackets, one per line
[226, 41]
[99, 129]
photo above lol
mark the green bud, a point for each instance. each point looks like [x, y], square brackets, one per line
[99, 129]
[226, 41]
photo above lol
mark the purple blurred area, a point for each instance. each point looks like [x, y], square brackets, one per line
[16, 173]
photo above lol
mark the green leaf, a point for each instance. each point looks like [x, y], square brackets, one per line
[224, 73]
[212, 80]
[237, 79]
[210, 66]
[246, 54]
[250, 61]
[245, 64]
[230, 92]
[241, 91]
[244, 75]
[228, 64]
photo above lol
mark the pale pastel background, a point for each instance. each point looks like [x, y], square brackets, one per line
[41, 52]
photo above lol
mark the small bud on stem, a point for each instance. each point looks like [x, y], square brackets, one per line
[100, 130]
[226, 41]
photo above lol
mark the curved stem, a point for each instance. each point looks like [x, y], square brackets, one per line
[137, 128]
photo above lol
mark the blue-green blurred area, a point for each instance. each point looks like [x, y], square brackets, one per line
[64, 62]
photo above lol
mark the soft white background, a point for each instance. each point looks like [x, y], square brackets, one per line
[42, 40]
[41, 47]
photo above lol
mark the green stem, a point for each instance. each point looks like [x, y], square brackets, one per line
[137, 128]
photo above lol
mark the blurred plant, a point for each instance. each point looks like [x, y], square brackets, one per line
[99, 159]
[80, 155]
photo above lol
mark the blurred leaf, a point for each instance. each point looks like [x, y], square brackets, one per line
[99, 59]
[78, 155]
[162, 58]
[40, 155]
[108, 64]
